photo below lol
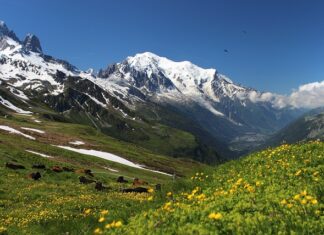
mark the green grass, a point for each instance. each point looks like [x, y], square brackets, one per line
[56, 203]
[253, 195]
[276, 191]
[60, 133]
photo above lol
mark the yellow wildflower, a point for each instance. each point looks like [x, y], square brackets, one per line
[201, 197]
[150, 198]
[297, 197]
[167, 206]
[101, 219]
[118, 224]
[215, 216]
[114, 224]
[104, 212]
[190, 196]
[289, 205]
[314, 201]
[304, 201]
[298, 173]
[150, 190]
[284, 202]
[87, 211]
[97, 231]
[169, 194]
[250, 189]
[239, 181]
[195, 190]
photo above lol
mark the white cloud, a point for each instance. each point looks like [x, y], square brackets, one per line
[309, 95]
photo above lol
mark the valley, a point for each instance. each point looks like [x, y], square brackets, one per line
[146, 99]
[149, 145]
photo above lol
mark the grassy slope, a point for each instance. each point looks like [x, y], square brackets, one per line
[274, 191]
[56, 203]
[59, 133]
[157, 138]
[249, 193]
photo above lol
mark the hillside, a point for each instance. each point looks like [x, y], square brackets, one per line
[30, 140]
[277, 190]
[308, 127]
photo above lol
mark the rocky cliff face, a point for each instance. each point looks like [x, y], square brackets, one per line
[32, 43]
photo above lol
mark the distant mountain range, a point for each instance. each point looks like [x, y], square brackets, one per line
[145, 99]
[308, 127]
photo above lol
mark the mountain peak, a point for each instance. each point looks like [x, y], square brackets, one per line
[147, 54]
[32, 43]
[151, 57]
[142, 60]
[149, 60]
[5, 31]
[2, 24]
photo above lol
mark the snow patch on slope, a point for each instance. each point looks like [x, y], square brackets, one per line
[9, 105]
[109, 157]
[39, 154]
[14, 131]
[33, 130]
[36, 120]
[111, 169]
[18, 93]
[96, 100]
[76, 142]
[213, 110]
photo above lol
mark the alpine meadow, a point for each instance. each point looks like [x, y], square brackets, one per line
[210, 122]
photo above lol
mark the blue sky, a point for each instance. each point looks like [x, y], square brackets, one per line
[283, 46]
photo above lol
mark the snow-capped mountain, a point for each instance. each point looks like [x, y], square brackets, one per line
[148, 76]
[142, 90]
[32, 82]
[27, 70]
[160, 77]
[24, 65]
[208, 97]
[5, 31]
